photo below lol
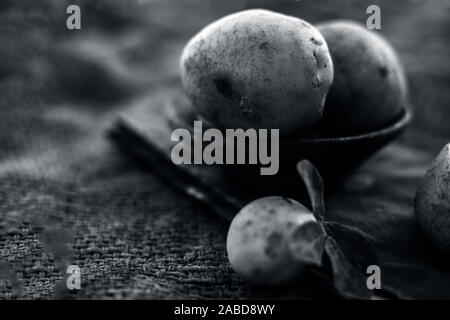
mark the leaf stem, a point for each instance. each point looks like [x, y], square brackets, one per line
[314, 185]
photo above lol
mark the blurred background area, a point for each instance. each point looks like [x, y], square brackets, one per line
[128, 48]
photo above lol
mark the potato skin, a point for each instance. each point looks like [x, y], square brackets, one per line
[432, 202]
[258, 69]
[257, 241]
[369, 87]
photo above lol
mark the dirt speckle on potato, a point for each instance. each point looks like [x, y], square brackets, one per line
[273, 244]
[315, 41]
[224, 87]
[383, 71]
[264, 45]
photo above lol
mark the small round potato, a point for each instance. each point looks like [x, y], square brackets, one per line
[271, 241]
[258, 69]
[432, 202]
[369, 89]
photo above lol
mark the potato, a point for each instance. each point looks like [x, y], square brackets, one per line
[272, 240]
[369, 88]
[432, 202]
[258, 69]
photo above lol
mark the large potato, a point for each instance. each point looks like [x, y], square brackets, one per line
[258, 69]
[432, 202]
[369, 88]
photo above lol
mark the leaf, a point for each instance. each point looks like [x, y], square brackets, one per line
[314, 185]
[354, 244]
[347, 280]
[349, 253]
[306, 243]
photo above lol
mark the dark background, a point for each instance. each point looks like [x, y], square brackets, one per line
[67, 197]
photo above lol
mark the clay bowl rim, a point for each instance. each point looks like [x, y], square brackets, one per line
[392, 128]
